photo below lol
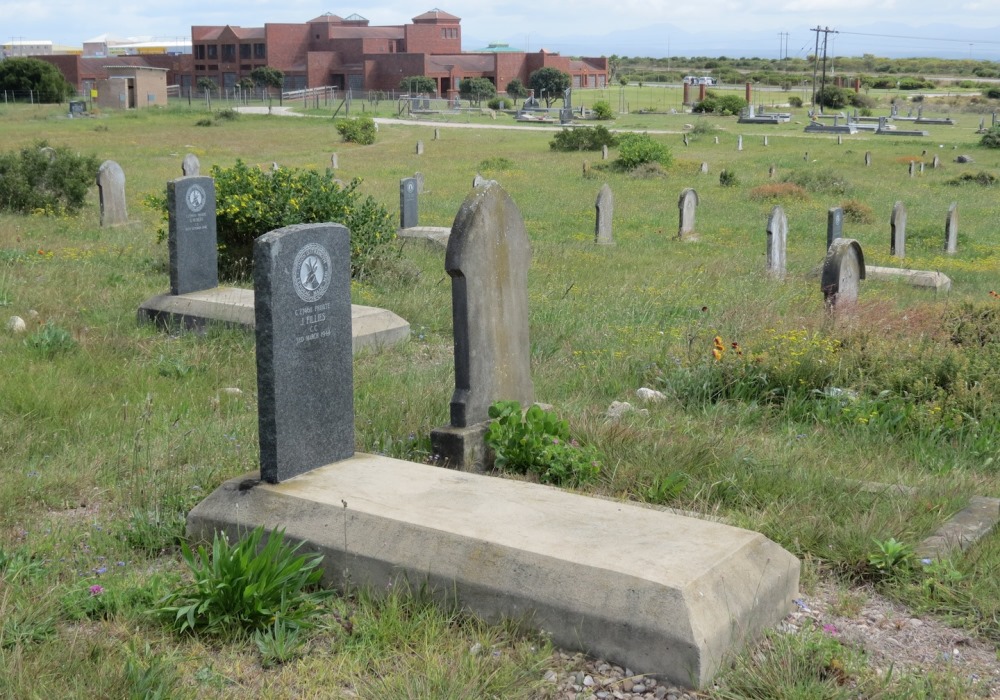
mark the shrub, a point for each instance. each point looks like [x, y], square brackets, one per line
[983, 178]
[359, 130]
[496, 163]
[727, 178]
[858, 212]
[702, 128]
[795, 101]
[586, 138]
[51, 182]
[819, 181]
[834, 97]
[537, 442]
[993, 93]
[500, 103]
[636, 149]
[602, 110]
[991, 139]
[778, 190]
[724, 106]
[244, 588]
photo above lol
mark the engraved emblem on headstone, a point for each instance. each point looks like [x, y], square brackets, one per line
[195, 198]
[310, 272]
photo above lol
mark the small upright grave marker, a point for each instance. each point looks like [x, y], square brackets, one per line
[334, 161]
[419, 177]
[704, 168]
[868, 158]
[305, 375]
[409, 215]
[605, 206]
[777, 242]
[834, 224]
[771, 172]
[765, 140]
[843, 270]
[739, 143]
[951, 229]
[191, 237]
[604, 152]
[111, 189]
[936, 162]
[912, 168]
[897, 231]
[190, 166]
[437, 134]
[687, 204]
[420, 148]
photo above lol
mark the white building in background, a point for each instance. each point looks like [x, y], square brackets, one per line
[103, 46]
[26, 47]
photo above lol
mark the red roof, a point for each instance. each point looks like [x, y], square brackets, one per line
[436, 14]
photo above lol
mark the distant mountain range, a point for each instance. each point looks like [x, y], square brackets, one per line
[665, 40]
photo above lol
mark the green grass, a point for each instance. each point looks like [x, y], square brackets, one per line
[110, 432]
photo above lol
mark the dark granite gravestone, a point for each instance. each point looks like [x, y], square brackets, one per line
[605, 212]
[897, 231]
[686, 205]
[843, 270]
[409, 210]
[777, 242]
[305, 380]
[834, 224]
[191, 238]
[190, 166]
[111, 190]
[951, 229]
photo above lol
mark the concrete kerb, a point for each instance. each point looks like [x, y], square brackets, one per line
[664, 594]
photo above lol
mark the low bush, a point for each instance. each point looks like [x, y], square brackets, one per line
[602, 110]
[360, 130]
[41, 179]
[723, 106]
[500, 103]
[794, 101]
[991, 139]
[993, 93]
[981, 178]
[727, 178]
[636, 149]
[857, 212]
[586, 138]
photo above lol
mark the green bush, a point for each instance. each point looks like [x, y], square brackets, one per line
[500, 103]
[993, 93]
[795, 101]
[243, 588]
[602, 110]
[538, 443]
[991, 139]
[359, 130]
[251, 202]
[49, 182]
[725, 105]
[727, 178]
[637, 149]
[834, 97]
[585, 138]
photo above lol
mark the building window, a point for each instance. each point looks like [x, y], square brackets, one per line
[199, 52]
[213, 51]
[229, 52]
[199, 66]
[245, 68]
[260, 51]
[245, 52]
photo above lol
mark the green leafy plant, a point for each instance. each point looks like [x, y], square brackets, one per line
[602, 110]
[149, 676]
[360, 130]
[586, 138]
[279, 644]
[637, 149]
[665, 488]
[50, 340]
[538, 442]
[727, 178]
[46, 180]
[500, 103]
[245, 587]
[891, 556]
[496, 163]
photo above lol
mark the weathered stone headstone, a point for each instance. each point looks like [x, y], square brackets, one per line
[487, 260]
[921, 168]
[419, 177]
[704, 168]
[951, 229]
[111, 189]
[868, 158]
[479, 181]
[843, 270]
[716, 140]
[765, 140]
[897, 231]
[739, 143]
[771, 172]
[912, 168]
[834, 224]
[604, 152]
[48, 152]
[191, 235]
[840, 139]
[936, 163]
[190, 166]
[305, 376]
[420, 148]
[334, 161]
[437, 134]
[805, 156]
[687, 204]
[605, 210]
[409, 212]
[685, 140]
[586, 168]
[777, 242]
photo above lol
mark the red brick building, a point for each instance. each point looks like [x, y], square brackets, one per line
[345, 52]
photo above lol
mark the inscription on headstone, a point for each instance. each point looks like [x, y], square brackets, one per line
[190, 166]
[191, 236]
[605, 211]
[305, 375]
[951, 229]
[897, 231]
[409, 212]
[687, 204]
[834, 224]
[111, 190]
[777, 242]
[843, 270]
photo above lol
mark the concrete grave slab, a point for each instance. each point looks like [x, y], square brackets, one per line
[659, 593]
[938, 281]
[435, 236]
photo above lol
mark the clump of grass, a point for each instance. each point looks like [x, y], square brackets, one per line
[496, 164]
[647, 171]
[820, 181]
[778, 191]
[984, 178]
[857, 212]
[727, 178]
[50, 340]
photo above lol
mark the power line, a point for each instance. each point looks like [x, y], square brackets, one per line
[920, 38]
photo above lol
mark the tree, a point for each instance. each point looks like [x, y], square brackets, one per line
[516, 90]
[245, 85]
[418, 85]
[549, 83]
[268, 78]
[477, 89]
[43, 80]
[206, 85]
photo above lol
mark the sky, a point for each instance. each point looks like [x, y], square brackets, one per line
[658, 28]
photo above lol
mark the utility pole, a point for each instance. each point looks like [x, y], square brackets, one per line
[826, 32]
[782, 45]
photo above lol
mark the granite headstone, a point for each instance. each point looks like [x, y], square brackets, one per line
[687, 203]
[834, 224]
[843, 270]
[409, 212]
[777, 242]
[605, 212]
[897, 231]
[111, 190]
[951, 229]
[191, 234]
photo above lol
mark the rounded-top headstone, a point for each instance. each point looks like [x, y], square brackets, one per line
[843, 270]
[111, 190]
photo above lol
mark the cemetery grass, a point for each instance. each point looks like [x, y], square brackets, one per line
[111, 431]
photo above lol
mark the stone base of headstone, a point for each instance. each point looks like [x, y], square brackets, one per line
[370, 326]
[463, 448]
[435, 236]
[932, 279]
[657, 592]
